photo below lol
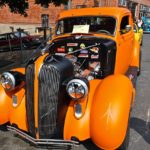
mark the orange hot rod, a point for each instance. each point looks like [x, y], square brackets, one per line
[80, 86]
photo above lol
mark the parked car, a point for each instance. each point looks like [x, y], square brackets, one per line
[14, 40]
[146, 25]
[138, 33]
[81, 86]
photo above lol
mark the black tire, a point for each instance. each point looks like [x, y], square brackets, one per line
[141, 42]
[125, 144]
[139, 69]
[3, 127]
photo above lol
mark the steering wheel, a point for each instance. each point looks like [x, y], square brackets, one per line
[104, 31]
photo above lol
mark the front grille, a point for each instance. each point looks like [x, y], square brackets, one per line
[30, 98]
[49, 83]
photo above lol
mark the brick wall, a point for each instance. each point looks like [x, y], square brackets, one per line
[35, 12]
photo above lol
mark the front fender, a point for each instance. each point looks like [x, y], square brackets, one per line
[110, 111]
[136, 54]
[5, 106]
[80, 128]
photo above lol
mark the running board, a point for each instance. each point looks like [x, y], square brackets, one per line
[46, 142]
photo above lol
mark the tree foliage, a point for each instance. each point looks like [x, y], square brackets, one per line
[47, 2]
[16, 6]
[21, 6]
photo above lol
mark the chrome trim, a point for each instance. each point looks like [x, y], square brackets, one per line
[43, 141]
[78, 111]
[39, 69]
[5, 76]
[14, 100]
[80, 82]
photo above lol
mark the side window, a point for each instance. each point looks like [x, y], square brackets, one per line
[3, 37]
[12, 36]
[60, 28]
[124, 23]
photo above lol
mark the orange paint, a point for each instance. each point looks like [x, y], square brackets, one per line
[105, 110]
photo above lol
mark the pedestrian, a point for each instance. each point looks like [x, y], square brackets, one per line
[140, 23]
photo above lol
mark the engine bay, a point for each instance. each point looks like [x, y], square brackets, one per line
[90, 55]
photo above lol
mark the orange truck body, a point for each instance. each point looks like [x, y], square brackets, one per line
[105, 109]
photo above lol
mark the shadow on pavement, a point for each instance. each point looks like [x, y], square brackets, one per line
[3, 127]
[142, 127]
[90, 145]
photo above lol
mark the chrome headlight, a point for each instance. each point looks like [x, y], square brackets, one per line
[8, 81]
[77, 89]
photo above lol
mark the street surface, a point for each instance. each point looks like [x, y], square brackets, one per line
[140, 117]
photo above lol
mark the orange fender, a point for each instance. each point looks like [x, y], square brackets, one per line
[80, 128]
[5, 106]
[13, 114]
[110, 111]
[136, 54]
[6, 101]
[18, 115]
[21, 70]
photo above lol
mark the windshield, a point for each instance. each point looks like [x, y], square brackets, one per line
[23, 34]
[100, 24]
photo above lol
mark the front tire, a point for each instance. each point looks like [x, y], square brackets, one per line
[3, 127]
[141, 42]
[125, 144]
[139, 69]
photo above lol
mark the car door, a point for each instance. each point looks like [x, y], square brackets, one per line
[137, 34]
[125, 44]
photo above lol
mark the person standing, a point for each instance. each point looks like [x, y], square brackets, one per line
[140, 23]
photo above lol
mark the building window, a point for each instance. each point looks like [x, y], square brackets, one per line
[81, 6]
[45, 20]
[68, 5]
[122, 2]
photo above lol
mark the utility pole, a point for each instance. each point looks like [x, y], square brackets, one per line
[69, 4]
[45, 24]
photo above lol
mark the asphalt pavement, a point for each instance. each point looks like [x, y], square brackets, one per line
[140, 116]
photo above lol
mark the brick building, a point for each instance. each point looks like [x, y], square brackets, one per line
[9, 21]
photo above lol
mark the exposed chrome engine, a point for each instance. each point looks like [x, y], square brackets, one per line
[92, 57]
[83, 68]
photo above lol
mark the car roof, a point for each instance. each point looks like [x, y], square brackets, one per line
[107, 11]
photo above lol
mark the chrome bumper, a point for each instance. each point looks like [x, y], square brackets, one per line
[44, 142]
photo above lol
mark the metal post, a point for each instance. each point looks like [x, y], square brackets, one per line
[50, 31]
[69, 4]
[19, 30]
[45, 35]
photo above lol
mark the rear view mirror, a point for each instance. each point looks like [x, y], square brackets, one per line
[128, 28]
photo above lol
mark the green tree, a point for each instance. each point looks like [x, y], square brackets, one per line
[16, 6]
[21, 6]
[47, 2]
